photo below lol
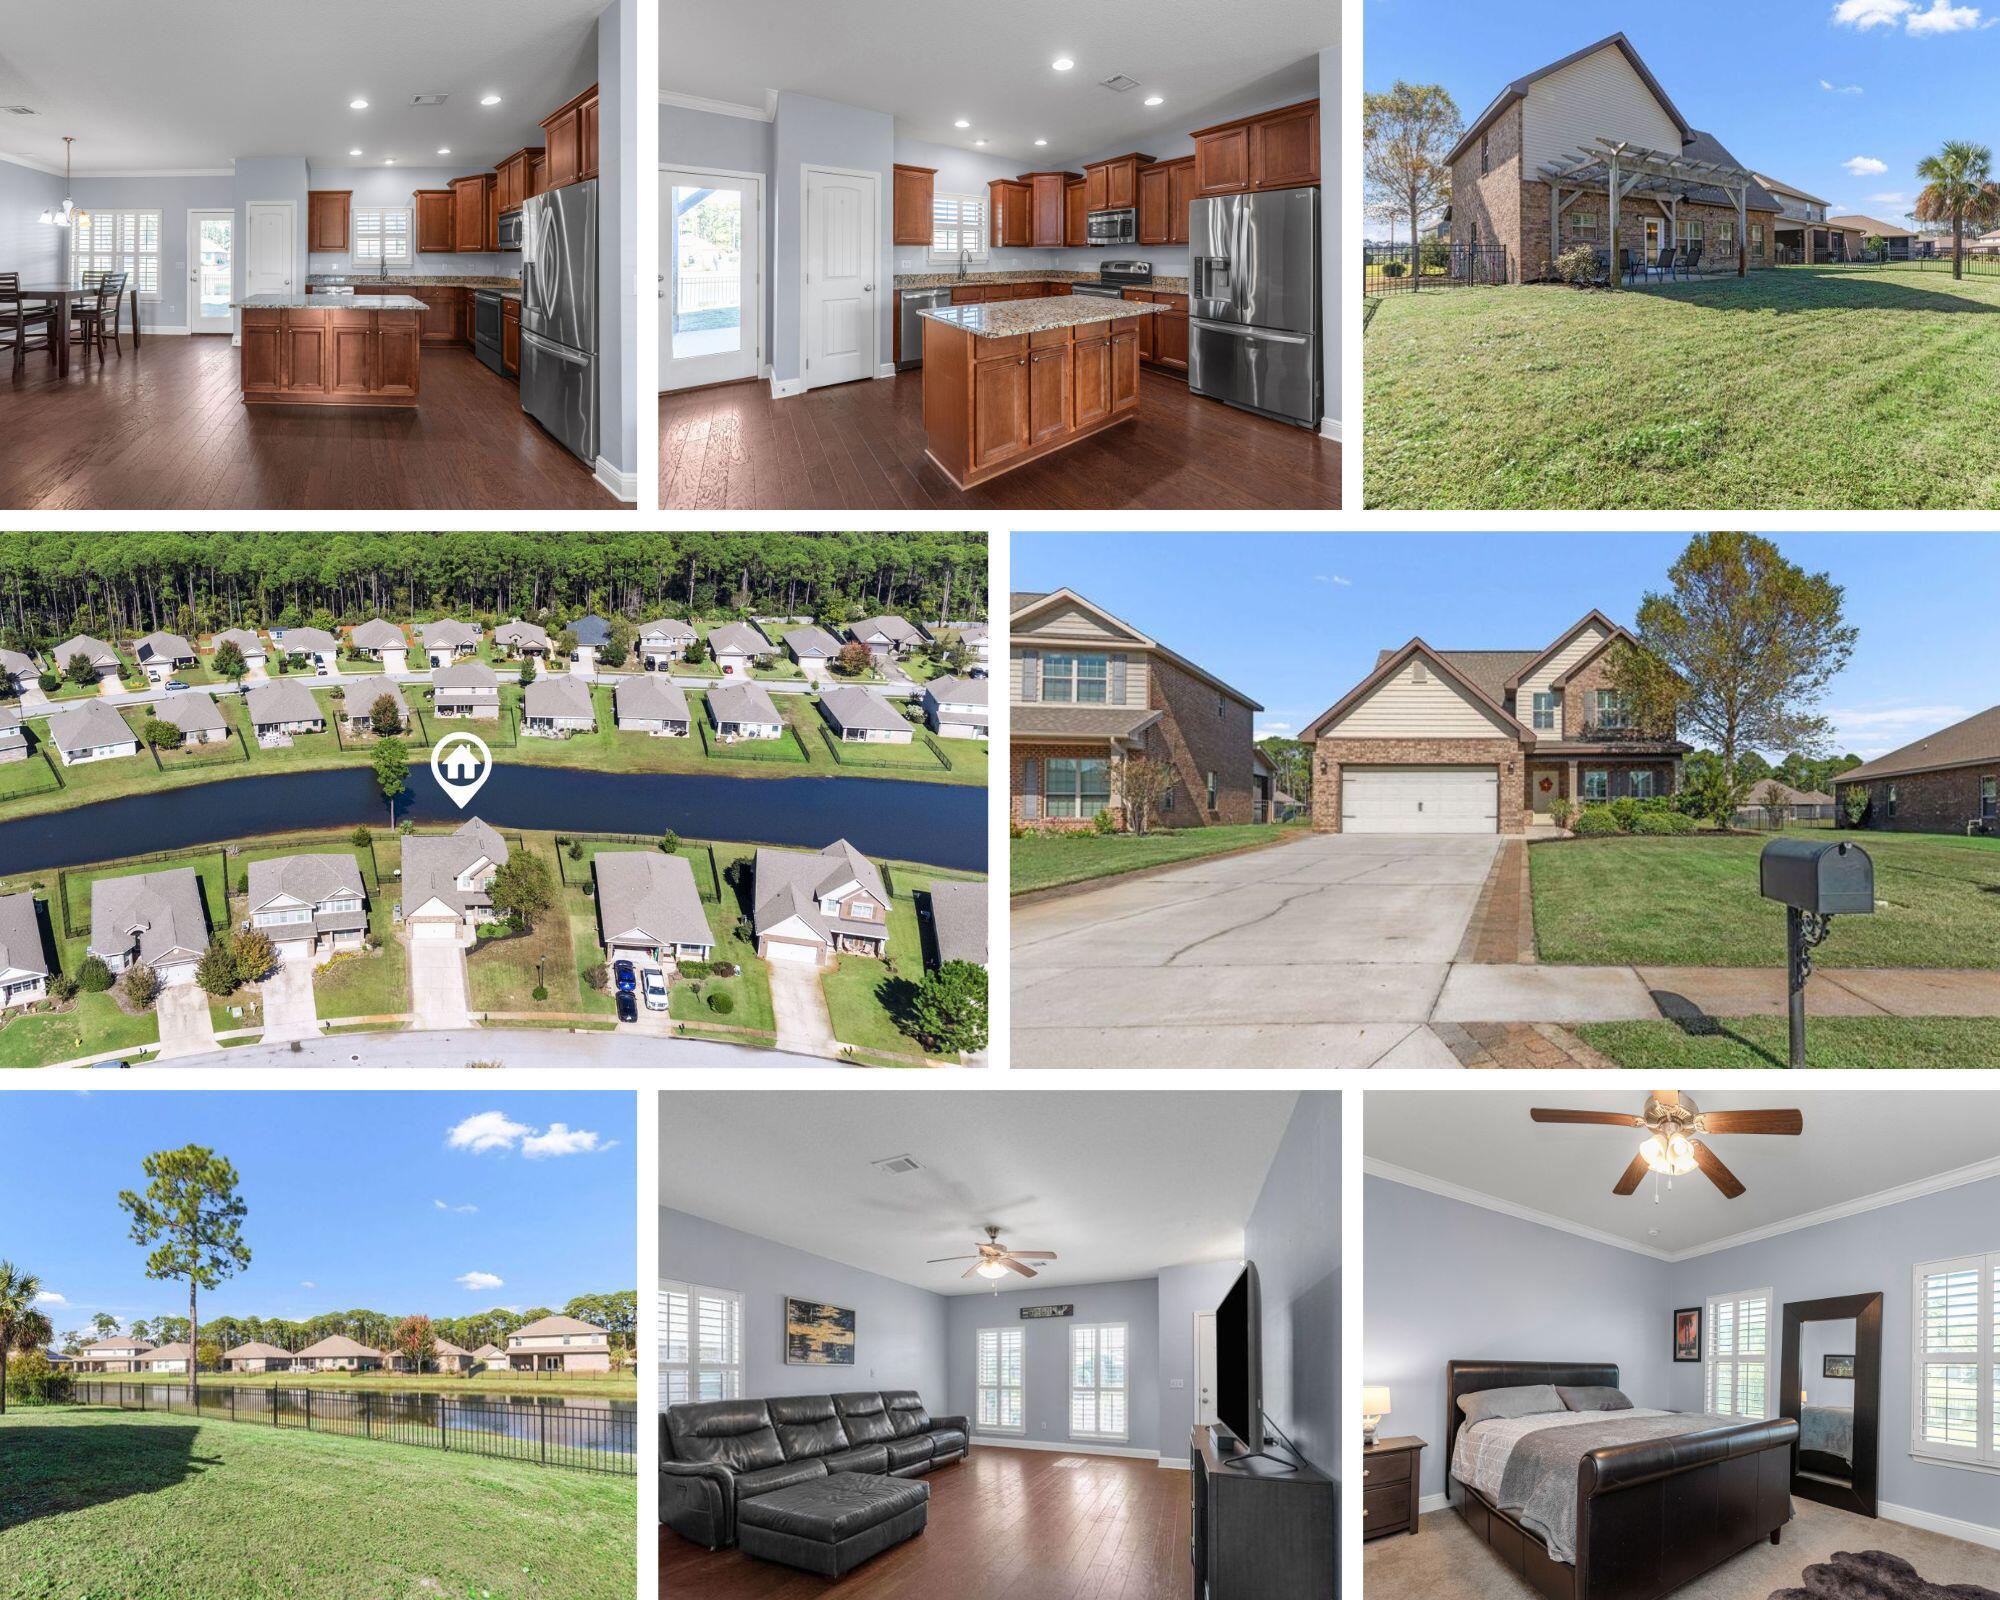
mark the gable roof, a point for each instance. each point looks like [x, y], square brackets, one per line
[1392, 662]
[21, 935]
[1772, 792]
[667, 628]
[190, 710]
[1588, 619]
[255, 1350]
[310, 641]
[17, 665]
[1874, 225]
[590, 629]
[958, 919]
[431, 864]
[245, 640]
[742, 702]
[740, 637]
[954, 690]
[899, 630]
[119, 1342]
[338, 1344]
[1975, 742]
[96, 651]
[447, 633]
[283, 700]
[1618, 637]
[166, 646]
[558, 695]
[649, 893]
[1518, 91]
[788, 883]
[377, 634]
[519, 632]
[313, 879]
[812, 641]
[466, 680]
[544, 1326]
[1025, 601]
[362, 695]
[179, 1350]
[652, 697]
[163, 908]
[87, 726]
[486, 1350]
[852, 707]
[1775, 187]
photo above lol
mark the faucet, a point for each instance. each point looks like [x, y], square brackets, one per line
[964, 259]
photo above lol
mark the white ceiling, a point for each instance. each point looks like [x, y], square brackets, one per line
[193, 85]
[930, 62]
[1856, 1144]
[1118, 1184]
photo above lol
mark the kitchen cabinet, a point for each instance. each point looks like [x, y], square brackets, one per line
[1273, 150]
[1046, 208]
[915, 200]
[538, 173]
[1114, 185]
[1076, 232]
[999, 404]
[587, 119]
[1165, 189]
[968, 294]
[512, 178]
[570, 140]
[331, 356]
[1007, 213]
[1180, 195]
[327, 212]
[444, 312]
[1163, 338]
[434, 222]
[1145, 328]
[1124, 369]
[510, 337]
[475, 222]
[1090, 359]
[1048, 386]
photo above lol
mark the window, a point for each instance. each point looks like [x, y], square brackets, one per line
[1691, 230]
[382, 236]
[1892, 802]
[958, 222]
[1989, 797]
[1079, 786]
[1726, 233]
[1611, 710]
[1002, 1406]
[1211, 791]
[1078, 680]
[701, 1343]
[1954, 1412]
[118, 241]
[1545, 712]
[1483, 167]
[1737, 1370]
[1097, 1382]
[1757, 237]
[1596, 784]
[1639, 785]
[1583, 224]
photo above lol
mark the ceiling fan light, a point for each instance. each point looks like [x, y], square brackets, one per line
[992, 1269]
[1672, 1156]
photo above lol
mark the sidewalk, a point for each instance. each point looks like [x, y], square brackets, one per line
[1649, 994]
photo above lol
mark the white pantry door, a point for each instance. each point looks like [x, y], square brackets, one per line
[843, 240]
[270, 245]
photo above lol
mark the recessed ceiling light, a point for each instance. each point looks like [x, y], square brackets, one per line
[489, 99]
[1041, 141]
[444, 149]
[1154, 99]
[961, 123]
[979, 141]
[357, 105]
[354, 152]
[1062, 63]
[388, 161]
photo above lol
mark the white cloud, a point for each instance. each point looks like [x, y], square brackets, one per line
[1272, 730]
[1866, 14]
[1865, 166]
[1943, 17]
[477, 1281]
[308, 1284]
[489, 1130]
[494, 1130]
[1892, 199]
[560, 1140]
[48, 1297]
[444, 1205]
[1333, 578]
[1840, 88]
[1889, 719]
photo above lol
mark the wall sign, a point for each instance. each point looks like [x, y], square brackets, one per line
[1029, 1313]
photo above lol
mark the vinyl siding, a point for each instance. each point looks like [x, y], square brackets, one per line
[1555, 667]
[1137, 674]
[1599, 97]
[1071, 622]
[1402, 708]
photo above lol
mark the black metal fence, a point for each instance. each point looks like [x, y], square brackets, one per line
[1432, 264]
[581, 1438]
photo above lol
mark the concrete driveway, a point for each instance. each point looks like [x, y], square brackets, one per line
[437, 984]
[186, 1029]
[804, 1028]
[289, 1012]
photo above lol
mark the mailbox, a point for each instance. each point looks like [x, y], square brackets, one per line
[1824, 879]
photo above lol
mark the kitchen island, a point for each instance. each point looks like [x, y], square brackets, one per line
[331, 349]
[1010, 381]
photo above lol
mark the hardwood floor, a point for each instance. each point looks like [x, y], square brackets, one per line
[1004, 1525]
[166, 429]
[860, 446]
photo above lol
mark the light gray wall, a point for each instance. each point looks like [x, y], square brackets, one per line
[1294, 1237]
[1046, 1348]
[1817, 1341]
[822, 133]
[27, 245]
[1329, 214]
[173, 198]
[900, 1333]
[1860, 1255]
[617, 234]
[969, 172]
[1185, 1293]
[1446, 1281]
[273, 178]
[731, 144]
[397, 186]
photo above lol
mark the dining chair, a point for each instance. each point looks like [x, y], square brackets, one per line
[24, 325]
[94, 322]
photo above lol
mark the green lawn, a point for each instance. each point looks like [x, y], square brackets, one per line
[19, 779]
[89, 1025]
[107, 1504]
[501, 972]
[863, 997]
[1695, 902]
[1044, 860]
[1806, 387]
[372, 983]
[1847, 1042]
[751, 987]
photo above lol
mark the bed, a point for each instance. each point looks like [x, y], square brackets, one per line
[1649, 1515]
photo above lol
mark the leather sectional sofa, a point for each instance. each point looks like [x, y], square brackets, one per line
[716, 1454]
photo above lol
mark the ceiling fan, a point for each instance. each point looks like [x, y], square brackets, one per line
[1676, 1125]
[996, 1260]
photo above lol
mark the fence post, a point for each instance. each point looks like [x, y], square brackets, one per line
[232, 1405]
[367, 1426]
[542, 1418]
[274, 1404]
[309, 1410]
[444, 1439]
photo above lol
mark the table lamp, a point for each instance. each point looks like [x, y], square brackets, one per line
[1374, 1407]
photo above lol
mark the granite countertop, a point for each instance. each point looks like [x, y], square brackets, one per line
[349, 280]
[328, 302]
[949, 280]
[1005, 318]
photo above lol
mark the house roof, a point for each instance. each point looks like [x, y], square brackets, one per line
[788, 883]
[362, 695]
[958, 919]
[310, 641]
[432, 863]
[1973, 742]
[667, 628]
[17, 665]
[1591, 618]
[86, 726]
[740, 637]
[812, 641]
[179, 1350]
[313, 879]
[163, 908]
[650, 698]
[1873, 225]
[283, 700]
[376, 634]
[1771, 792]
[898, 630]
[21, 935]
[447, 633]
[338, 1344]
[543, 1326]
[466, 680]
[486, 1350]
[1518, 90]
[243, 638]
[1392, 661]
[519, 632]
[1025, 600]
[97, 651]
[958, 691]
[164, 646]
[853, 707]
[651, 894]
[122, 1342]
[558, 695]
[1775, 187]
[445, 1347]
[1081, 722]
[190, 710]
[590, 629]
[742, 702]
[255, 1350]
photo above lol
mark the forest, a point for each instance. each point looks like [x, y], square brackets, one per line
[119, 585]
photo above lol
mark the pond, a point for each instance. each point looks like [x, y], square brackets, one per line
[942, 825]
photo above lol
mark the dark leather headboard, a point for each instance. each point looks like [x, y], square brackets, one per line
[1469, 1377]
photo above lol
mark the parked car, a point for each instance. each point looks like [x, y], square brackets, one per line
[628, 1008]
[176, 683]
[655, 982]
[628, 979]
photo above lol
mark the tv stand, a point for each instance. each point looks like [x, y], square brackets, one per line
[1265, 1535]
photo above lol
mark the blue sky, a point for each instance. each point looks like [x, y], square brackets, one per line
[1798, 89]
[356, 1200]
[1296, 620]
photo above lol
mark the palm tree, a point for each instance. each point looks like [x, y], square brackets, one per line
[1959, 188]
[17, 1300]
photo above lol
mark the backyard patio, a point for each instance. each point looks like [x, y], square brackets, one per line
[1801, 387]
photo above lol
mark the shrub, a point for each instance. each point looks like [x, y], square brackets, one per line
[217, 970]
[595, 974]
[242, 883]
[1579, 266]
[1626, 812]
[256, 958]
[93, 976]
[1562, 811]
[62, 987]
[576, 849]
[162, 735]
[1855, 807]
[1104, 822]
[1596, 822]
[695, 969]
[361, 838]
[1657, 824]
[1393, 269]
[541, 991]
[670, 842]
[721, 1003]
[142, 986]
[50, 682]
[724, 969]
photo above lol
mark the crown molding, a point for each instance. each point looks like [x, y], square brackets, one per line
[1507, 1208]
[724, 108]
[32, 163]
[162, 172]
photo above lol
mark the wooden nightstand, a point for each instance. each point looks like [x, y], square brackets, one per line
[1389, 1487]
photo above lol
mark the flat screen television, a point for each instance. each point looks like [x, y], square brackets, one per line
[1239, 1360]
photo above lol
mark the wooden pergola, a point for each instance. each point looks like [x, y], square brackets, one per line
[1622, 170]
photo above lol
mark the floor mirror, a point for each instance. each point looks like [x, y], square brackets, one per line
[1832, 1387]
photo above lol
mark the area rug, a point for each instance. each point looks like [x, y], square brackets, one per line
[1876, 1575]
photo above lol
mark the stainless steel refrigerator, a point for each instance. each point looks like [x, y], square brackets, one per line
[559, 314]
[1254, 303]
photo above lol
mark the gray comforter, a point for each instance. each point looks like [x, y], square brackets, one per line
[1539, 1483]
[1829, 1429]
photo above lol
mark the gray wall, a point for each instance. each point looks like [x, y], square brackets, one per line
[1046, 1348]
[27, 246]
[1185, 1293]
[273, 178]
[822, 133]
[900, 1332]
[617, 234]
[397, 186]
[173, 198]
[1294, 1237]
[1330, 313]
[730, 144]
[1446, 1281]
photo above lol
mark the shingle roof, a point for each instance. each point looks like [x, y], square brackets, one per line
[788, 883]
[339, 1344]
[164, 908]
[899, 630]
[312, 878]
[959, 691]
[958, 919]
[431, 864]
[590, 629]
[87, 726]
[448, 633]
[1083, 722]
[164, 647]
[1973, 742]
[361, 698]
[542, 1326]
[739, 636]
[1874, 225]
[653, 698]
[742, 702]
[124, 1342]
[652, 893]
[310, 641]
[558, 695]
[282, 700]
[853, 707]
[96, 651]
[177, 1351]
[812, 641]
[377, 634]
[190, 710]
[1773, 793]
[667, 628]
[465, 680]
[21, 935]
[519, 632]
[17, 665]
[1487, 670]
[256, 1350]
[244, 640]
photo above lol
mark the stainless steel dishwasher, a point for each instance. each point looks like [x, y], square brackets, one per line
[911, 333]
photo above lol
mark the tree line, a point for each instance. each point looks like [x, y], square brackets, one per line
[58, 583]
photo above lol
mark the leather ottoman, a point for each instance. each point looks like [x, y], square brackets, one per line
[832, 1524]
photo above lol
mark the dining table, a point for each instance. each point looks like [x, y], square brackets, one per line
[62, 294]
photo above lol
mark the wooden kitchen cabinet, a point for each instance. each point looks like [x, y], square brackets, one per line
[968, 294]
[1047, 213]
[1180, 195]
[587, 135]
[330, 356]
[434, 222]
[327, 212]
[1114, 185]
[1156, 204]
[1000, 421]
[1170, 332]
[1090, 378]
[444, 313]
[1048, 386]
[511, 178]
[475, 222]
[915, 201]
[510, 337]
[1076, 233]
[1124, 369]
[570, 140]
[1273, 150]
[1143, 325]
[538, 174]
[1007, 213]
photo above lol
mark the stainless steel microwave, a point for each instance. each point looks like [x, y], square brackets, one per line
[510, 230]
[1112, 227]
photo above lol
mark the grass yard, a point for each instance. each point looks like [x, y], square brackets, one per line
[110, 1503]
[1046, 860]
[90, 1025]
[750, 988]
[1695, 902]
[1846, 1042]
[369, 983]
[1808, 387]
[862, 995]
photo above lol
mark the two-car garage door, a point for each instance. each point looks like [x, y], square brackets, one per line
[1419, 799]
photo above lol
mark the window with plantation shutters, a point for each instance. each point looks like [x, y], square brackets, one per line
[1737, 1367]
[1000, 1359]
[1955, 1404]
[117, 241]
[701, 1343]
[1098, 1407]
[958, 222]
[382, 236]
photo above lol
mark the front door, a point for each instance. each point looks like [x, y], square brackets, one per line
[270, 247]
[842, 240]
[711, 279]
[211, 258]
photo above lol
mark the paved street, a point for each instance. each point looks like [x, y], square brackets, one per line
[506, 1047]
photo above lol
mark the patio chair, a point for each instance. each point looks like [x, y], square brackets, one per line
[1630, 266]
[1664, 267]
[1691, 260]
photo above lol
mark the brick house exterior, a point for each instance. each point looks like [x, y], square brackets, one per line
[1948, 782]
[1088, 692]
[1604, 91]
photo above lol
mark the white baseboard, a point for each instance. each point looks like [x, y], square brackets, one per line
[1177, 1463]
[1951, 1527]
[1433, 1502]
[1330, 427]
[886, 370]
[1061, 1448]
[785, 388]
[624, 485]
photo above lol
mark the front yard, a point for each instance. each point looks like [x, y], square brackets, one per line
[1808, 387]
[1047, 860]
[1847, 1042]
[1695, 902]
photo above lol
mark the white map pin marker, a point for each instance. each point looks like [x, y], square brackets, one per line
[461, 763]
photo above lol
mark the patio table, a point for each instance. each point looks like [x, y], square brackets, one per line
[63, 294]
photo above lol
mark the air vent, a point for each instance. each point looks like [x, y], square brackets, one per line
[1118, 83]
[1417, 673]
[428, 99]
[19, 111]
[897, 1165]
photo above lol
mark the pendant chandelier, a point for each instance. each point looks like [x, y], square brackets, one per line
[67, 214]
